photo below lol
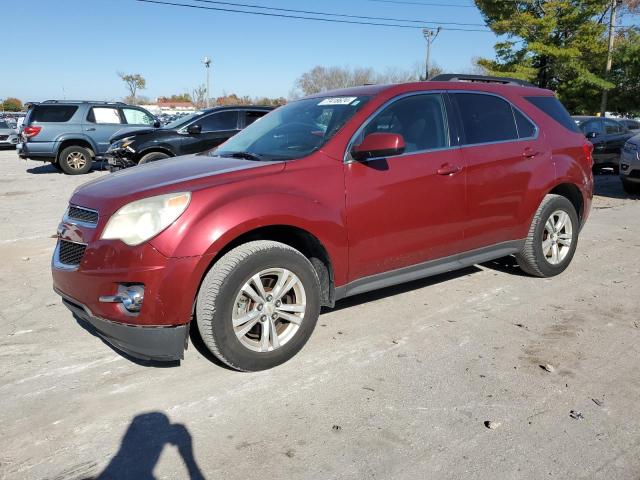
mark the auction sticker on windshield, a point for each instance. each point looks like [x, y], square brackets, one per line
[337, 101]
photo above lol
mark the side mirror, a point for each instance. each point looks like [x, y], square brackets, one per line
[592, 135]
[379, 145]
[157, 124]
[194, 129]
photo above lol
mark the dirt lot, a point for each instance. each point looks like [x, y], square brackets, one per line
[396, 384]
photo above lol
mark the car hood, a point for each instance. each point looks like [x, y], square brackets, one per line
[130, 132]
[177, 174]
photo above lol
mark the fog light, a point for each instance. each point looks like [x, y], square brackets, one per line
[130, 296]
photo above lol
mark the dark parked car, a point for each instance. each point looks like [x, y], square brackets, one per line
[194, 133]
[71, 134]
[608, 136]
[631, 124]
[326, 197]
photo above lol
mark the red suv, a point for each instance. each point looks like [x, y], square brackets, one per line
[326, 197]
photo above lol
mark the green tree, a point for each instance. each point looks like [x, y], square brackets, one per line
[625, 74]
[12, 104]
[556, 44]
[134, 82]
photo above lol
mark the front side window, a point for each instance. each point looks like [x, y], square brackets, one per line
[486, 118]
[294, 130]
[591, 126]
[612, 128]
[419, 119]
[133, 116]
[107, 115]
[220, 121]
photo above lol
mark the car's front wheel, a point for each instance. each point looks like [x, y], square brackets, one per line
[552, 239]
[152, 157]
[258, 305]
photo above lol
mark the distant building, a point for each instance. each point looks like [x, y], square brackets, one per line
[170, 107]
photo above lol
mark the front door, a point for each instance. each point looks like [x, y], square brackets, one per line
[101, 123]
[215, 129]
[406, 209]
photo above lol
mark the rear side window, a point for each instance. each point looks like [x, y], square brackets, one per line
[486, 118]
[107, 115]
[52, 113]
[552, 107]
[219, 121]
[252, 116]
[612, 128]
[526, 129]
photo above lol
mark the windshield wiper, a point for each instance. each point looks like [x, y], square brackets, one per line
[245, 155]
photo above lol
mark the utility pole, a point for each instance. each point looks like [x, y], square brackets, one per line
[612, 28]
[207, 64]
[430, 36]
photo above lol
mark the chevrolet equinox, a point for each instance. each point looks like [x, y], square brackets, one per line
[326, 197]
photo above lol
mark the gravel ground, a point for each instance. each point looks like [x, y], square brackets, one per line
[396, 384]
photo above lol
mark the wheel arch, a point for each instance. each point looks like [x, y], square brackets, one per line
[572, 193]
[154, 149]
[75, 141]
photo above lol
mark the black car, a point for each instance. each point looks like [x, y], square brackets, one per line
[631, 124]
[193, 133]
[608, 137]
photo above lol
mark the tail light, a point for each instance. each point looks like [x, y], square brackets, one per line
[31, 132]
[587, 150]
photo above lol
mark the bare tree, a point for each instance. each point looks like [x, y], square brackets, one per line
[199, 96]
[134, 82]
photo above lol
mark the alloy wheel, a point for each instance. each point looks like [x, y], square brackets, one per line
[557, 237]
[76, 160]
[269, 309]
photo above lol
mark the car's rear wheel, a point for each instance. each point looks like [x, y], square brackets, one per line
[552, 239]
[258, 305]
[630, 187]
[152, 157]
[75, 160]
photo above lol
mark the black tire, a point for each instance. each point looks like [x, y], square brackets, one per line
[69, 166]
[531, 258]
[630, 187]
[220, 288]
[152, 157]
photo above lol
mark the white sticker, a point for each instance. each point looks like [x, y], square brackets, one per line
[337, 101]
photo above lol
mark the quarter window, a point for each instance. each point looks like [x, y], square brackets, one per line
[420, 119]
[252, 116]
[486, 118]
[104, 115]
[219, 121]
[526, 129]
[133, 116]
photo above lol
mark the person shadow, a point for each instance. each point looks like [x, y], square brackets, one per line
[142, 445]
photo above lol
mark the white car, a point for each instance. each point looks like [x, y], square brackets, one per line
[8, 134]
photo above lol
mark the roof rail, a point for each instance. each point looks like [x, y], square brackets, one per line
[100, 102]
[460, 77]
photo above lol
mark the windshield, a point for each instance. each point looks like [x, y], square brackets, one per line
[4, 124]
[293, 130]
[178, 122]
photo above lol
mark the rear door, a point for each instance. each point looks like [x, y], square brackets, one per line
[216, 128]
[594, 131]
[501, 148]
[616, 136]
[100, 124]
[410, 208]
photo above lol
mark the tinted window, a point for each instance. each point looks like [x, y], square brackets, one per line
[486, 118]
[107, 115]
[4, 124]
[52, 113]
[420, 119]
[250, 117]
[612, 128]
[137, 117]
[219, 121]
[632, 125]
[552, 107]
[526, 129]
[592, 126]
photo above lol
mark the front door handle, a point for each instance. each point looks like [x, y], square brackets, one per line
[530, 153]
[448, 169]
[91, 129]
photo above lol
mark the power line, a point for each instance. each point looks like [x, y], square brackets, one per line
[300, 17]
[343, 15]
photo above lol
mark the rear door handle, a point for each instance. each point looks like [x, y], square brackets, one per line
[530, 153]
[91, 129]
[448, 169]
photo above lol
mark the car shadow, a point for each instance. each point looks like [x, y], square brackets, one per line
[143, 363]
[142, 445]
[48, 167]
[608, 184]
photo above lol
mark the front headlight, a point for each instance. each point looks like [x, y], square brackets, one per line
[141, 220]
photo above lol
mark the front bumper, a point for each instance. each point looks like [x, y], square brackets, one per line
[145, 343]
[630, 166]
[119, 158]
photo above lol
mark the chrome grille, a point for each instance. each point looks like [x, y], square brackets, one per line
[71, 253]
[81, 214]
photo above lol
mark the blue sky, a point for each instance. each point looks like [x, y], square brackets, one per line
[75, 47]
